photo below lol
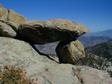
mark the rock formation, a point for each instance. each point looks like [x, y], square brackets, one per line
[41, 32]
[15, 30]
[50, 31]
[65, 31]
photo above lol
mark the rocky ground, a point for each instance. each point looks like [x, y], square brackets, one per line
[21, 54]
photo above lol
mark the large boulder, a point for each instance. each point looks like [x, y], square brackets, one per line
[50, 31]
[70, 52]
[21, 54]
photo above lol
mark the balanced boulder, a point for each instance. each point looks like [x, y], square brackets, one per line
[65, 31]
[60, 24]
[41, 32]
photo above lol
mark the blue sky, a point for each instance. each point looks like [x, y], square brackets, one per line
[94, 14]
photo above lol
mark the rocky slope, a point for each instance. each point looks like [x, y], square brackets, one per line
[21, 54]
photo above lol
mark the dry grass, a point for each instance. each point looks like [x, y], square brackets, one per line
[12, 75]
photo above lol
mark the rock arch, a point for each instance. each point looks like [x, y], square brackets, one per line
[69, 50]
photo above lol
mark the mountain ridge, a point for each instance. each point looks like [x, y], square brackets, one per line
[94, 38]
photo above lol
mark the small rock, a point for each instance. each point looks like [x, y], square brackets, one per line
[6, 30]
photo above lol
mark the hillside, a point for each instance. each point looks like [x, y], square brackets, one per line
[103, 49]
[94, 38]
[89, 41]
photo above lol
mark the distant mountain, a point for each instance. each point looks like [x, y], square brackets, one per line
[94, 38]
[103, 49]
[89, 41]
[106, 33]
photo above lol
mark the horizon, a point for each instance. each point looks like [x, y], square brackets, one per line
[95, 15]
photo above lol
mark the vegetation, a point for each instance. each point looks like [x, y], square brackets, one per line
[14, 75]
